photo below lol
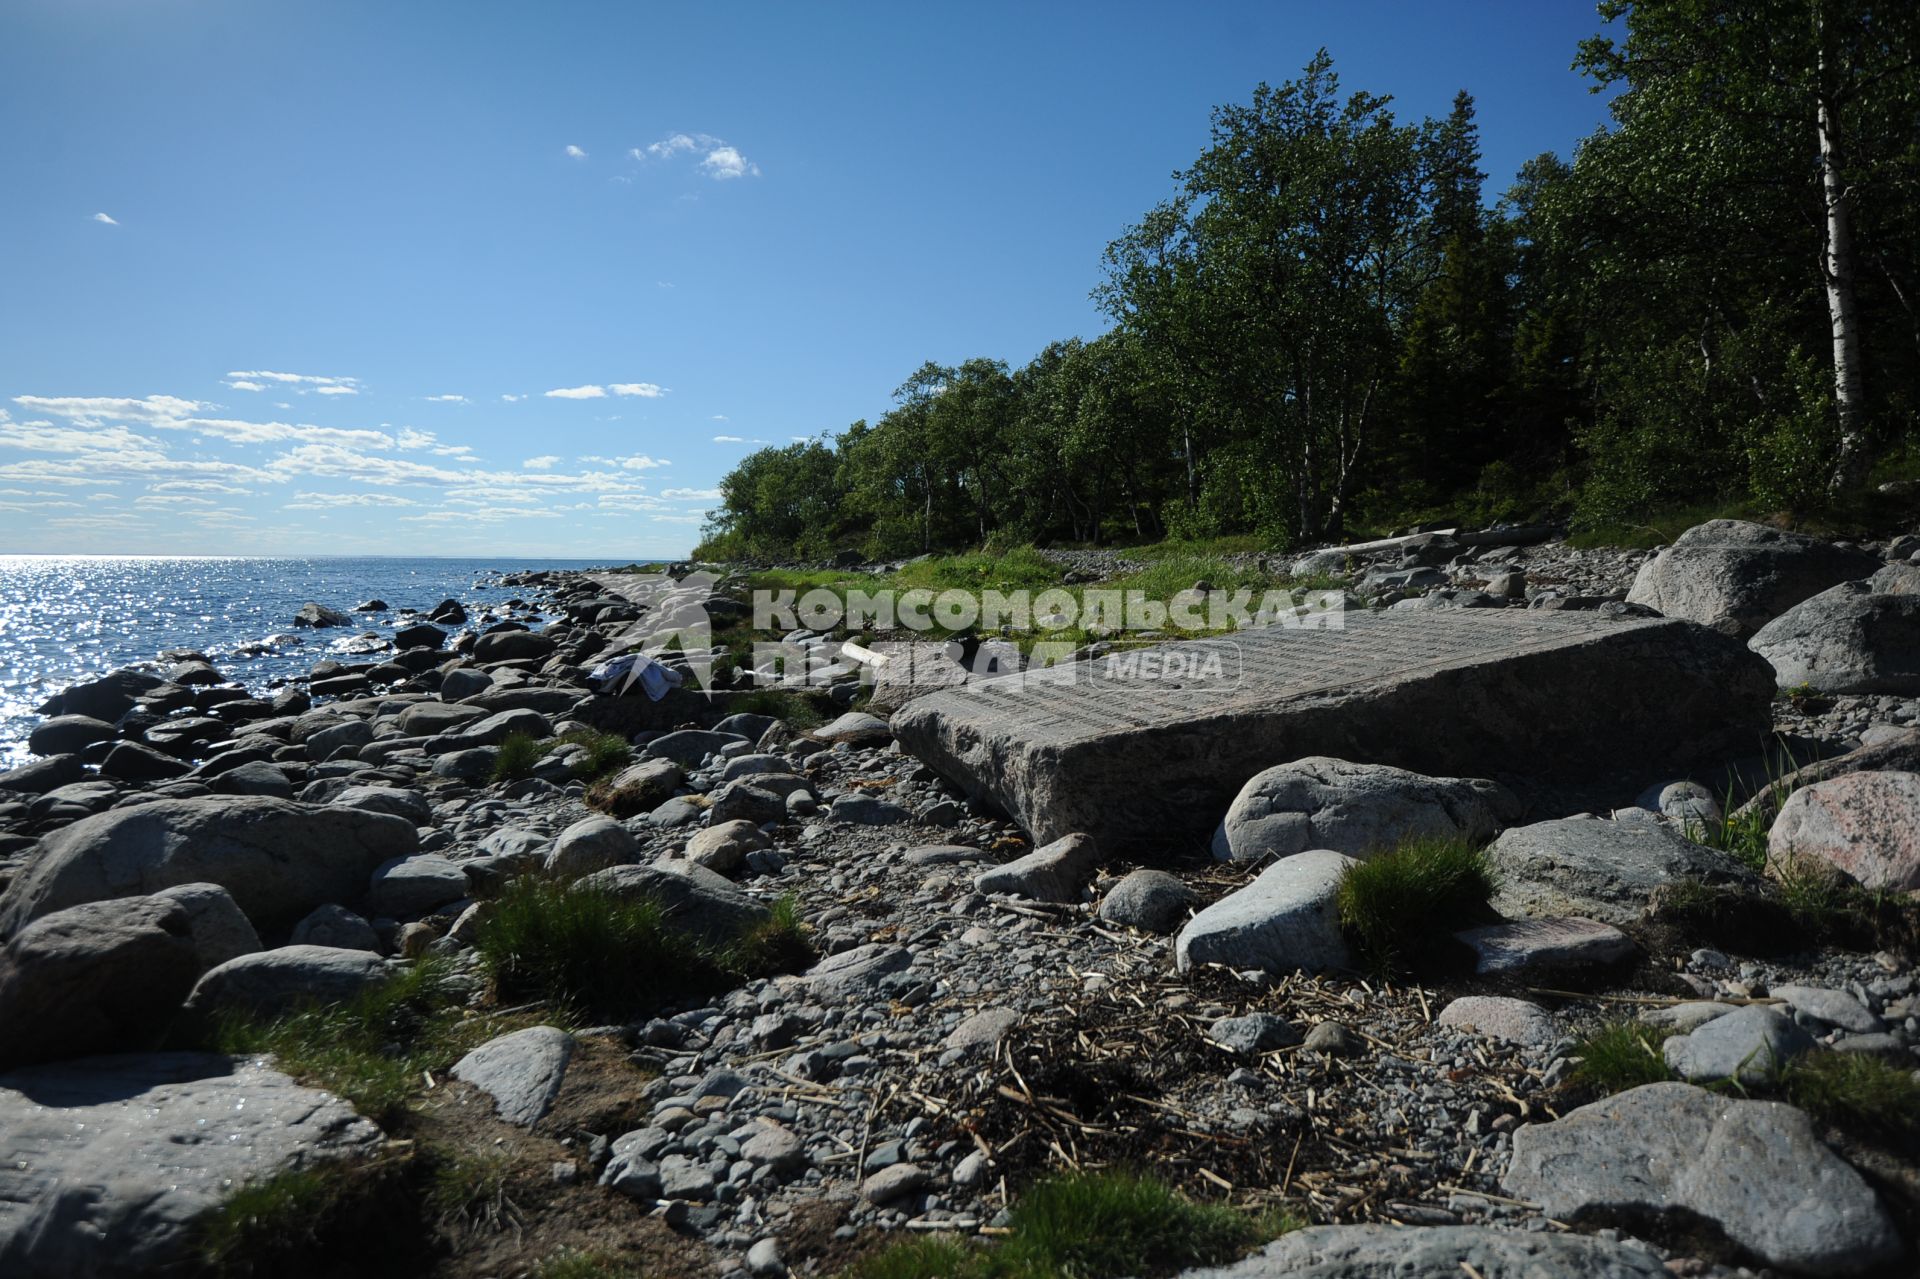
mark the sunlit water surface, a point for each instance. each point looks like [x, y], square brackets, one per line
[67, 618]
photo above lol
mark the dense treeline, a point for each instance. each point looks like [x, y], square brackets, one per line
[1327, 327]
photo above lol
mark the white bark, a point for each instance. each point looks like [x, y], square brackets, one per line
[1843, 312]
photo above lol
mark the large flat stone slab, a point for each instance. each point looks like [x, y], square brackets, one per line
[105, 1162]
[1534, 697]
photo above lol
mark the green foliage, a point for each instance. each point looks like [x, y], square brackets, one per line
[588, 949]
[372, 1050]
[1122, 1223]
[1854, 1091]
[1400, 907]
[519, 754]
[604, 753]
[607, 955]
[262, 1216]
[468, 1191]
[777, 944]
[1087, 1226]
[928, 1257]
[586, 1265]
[1323, 326]
[796, 709]
[1621, 1055]
[270, 1227]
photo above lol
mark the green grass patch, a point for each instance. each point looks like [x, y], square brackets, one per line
[604, 753]
[1401, 907]
[1659, 529]
[606, 955]
[1621, 1055]
[1166, 577]
[587, 949]
[777, 944]
[467, 1191]
[586, 1265]
[1088, 1226]
[274, 1227]
[1854, 1091]
[371, 1050]
[518, 756]
[797, 709]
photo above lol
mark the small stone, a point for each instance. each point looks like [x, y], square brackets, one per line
[1749, 1044]
[983, 1030]
[1254, 1033]
[763, 1259]
[1559, 942]
[1503, 1018]
[893, 1183]
[1335, 1039]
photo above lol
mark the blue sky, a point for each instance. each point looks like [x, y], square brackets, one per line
[526, 279]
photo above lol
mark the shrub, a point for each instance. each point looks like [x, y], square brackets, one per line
[1402, 906]
[1621, 1055]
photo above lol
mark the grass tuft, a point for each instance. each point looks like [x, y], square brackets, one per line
[586, 1265]
[779, 943]
[1087, 1226]
[273, 1226]
[1402, 906]
[587, 949]
[605, 753]
[1854, 1091]
[1622, 1055]
[1115, 1223]
[595, 952]
[468, 1192]
[371, 1050]
[519, 754]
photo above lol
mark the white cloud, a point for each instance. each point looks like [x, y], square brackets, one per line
[723, 163]
[575, 153]
[545, 462]
[412, 441]
[641, 462]
[578, 393]
[691, 495]
[720, 161]
[243, 385]
[329, 501]
[101, 217]
[646, 390]
[298, 379]
[198, 486]
[447, 399]
[513, 399]
[170, 413]
[719, 417]
[172, 500]
[336, 390]
[728, 439]
[680, 519]
[665, 148]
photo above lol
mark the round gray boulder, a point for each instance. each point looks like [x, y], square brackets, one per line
[1320, 802]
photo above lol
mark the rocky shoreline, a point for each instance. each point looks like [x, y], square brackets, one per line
[968, 1011]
